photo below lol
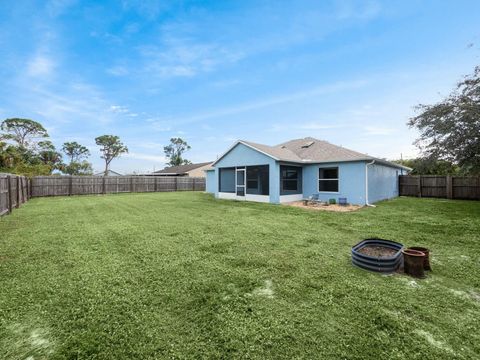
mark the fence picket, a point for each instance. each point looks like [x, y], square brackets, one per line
[83, 185]
[16, 190]
[450, 187]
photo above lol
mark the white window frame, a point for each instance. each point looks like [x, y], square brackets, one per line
[338, 179]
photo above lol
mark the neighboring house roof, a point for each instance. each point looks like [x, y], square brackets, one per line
[110, 173]
[310, 150]
[181, 169]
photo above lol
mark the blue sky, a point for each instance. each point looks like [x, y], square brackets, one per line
[211, 72]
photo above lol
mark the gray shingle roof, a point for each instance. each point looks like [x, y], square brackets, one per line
[278, 152]
[181, 169]
[311, 150]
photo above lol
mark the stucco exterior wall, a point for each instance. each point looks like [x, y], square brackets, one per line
[351, 181]
[382, 182]
[211, 184]
[242, 155]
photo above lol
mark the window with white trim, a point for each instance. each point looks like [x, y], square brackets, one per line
[328, 179]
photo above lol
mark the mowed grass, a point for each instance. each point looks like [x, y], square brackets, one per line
[181, 275]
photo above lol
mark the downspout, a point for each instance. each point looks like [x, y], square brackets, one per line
[366, 184]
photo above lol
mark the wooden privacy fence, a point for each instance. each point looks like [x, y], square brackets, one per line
[14, 191]
[83, 185]
[450, 187]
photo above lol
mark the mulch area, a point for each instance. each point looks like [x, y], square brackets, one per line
[324, 207]
[377, 251]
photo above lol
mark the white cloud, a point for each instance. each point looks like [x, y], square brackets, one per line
[132, 28]
[319, 126]
[118, 109]
[150, 9]
[40, 66]
[77, 102]
[349, 10]
[319, 90]
[159, 125]
[174, 71]
[118, 70]
[225, 83]
[58, 7]
[181, 58]
[229, 138]
[122, 110]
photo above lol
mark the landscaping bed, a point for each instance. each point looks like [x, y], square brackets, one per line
[324, 206]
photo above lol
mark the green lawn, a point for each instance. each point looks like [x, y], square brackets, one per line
[181, 275]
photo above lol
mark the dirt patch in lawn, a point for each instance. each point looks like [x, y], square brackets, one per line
[324, 207]
[377, 251]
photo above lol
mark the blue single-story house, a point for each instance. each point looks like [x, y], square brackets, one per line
[299, 168]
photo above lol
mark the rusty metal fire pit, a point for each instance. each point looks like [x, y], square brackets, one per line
[426, 259]
[377, 255]
[414, 263]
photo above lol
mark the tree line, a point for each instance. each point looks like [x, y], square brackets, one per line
[25, 149]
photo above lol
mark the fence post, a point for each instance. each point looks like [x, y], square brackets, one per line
[22, 193]
[9, 188]
[156, 184]
[70, 185]
[478, 188]
[419, 185]
[24, 189]
[30, 187]
[176, 183]
[17, 192]
[131, 184]
[193, 185]
[449, 185]
[103, 185]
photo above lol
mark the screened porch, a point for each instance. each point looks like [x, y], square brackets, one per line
[245, 183]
